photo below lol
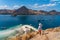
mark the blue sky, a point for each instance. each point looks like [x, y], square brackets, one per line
[46, 5]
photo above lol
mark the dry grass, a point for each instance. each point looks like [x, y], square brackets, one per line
[33, 34]
[24, 36]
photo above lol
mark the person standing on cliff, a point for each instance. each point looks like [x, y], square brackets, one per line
[40, 28]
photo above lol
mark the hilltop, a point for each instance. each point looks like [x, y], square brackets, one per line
[48, 34]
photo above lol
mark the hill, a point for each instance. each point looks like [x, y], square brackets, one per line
[26, 11]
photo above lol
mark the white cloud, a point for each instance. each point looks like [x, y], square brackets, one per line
[47, 5]
[44, 5]
[3, 7]
[8, 7]
[36, 5]
[16, 6]
[54, 0]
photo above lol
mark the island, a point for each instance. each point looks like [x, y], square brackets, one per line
[26, 11]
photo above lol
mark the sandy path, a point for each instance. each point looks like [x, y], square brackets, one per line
[54, 36]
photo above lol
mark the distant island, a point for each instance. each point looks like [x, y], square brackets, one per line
[25, 11]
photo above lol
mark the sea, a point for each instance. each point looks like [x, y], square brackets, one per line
[48, 21]
[9, 21]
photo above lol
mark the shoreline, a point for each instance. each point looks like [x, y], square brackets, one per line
[20, 28]
[11, 31]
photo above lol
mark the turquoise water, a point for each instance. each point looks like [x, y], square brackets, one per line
[4, 34]
[9, 23]
[48, 21]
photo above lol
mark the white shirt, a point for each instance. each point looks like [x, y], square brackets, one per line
[40, 26]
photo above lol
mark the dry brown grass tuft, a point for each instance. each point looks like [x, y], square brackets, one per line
[29, 36]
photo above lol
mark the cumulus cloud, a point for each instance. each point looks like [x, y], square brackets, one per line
[47, 5]
[8, 7]
[36, 5]
[16, 6]
[3, 7]
[44, 5]
[55, 1]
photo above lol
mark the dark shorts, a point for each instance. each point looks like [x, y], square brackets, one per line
[39, 31]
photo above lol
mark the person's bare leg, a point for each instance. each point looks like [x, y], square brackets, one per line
[40, 32]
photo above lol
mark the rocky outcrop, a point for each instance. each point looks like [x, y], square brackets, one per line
[23, 36]
[48, 34]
